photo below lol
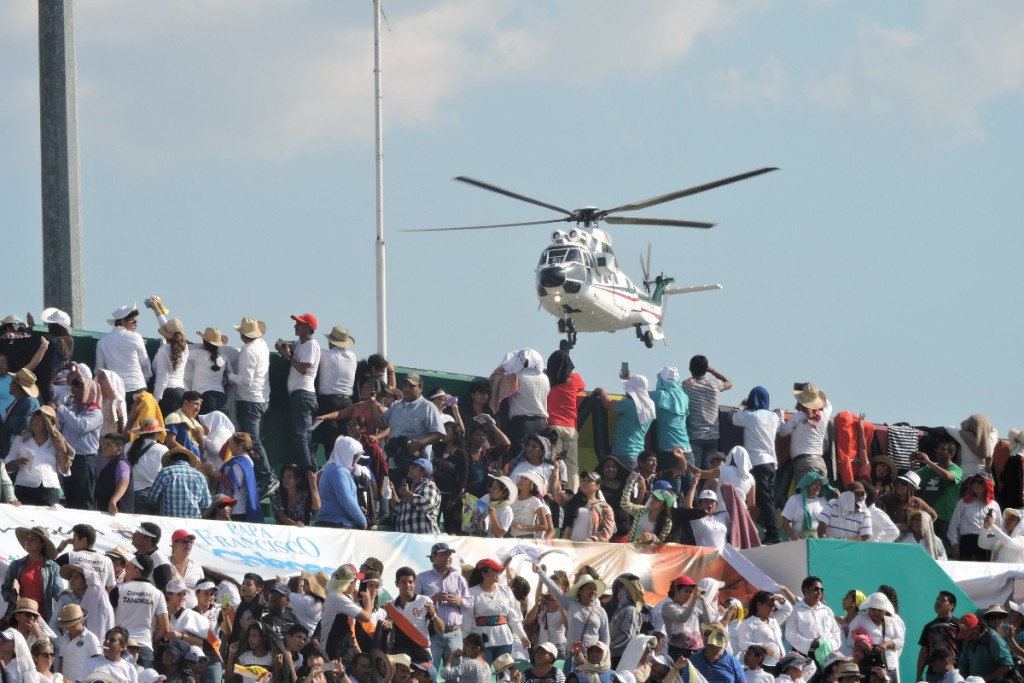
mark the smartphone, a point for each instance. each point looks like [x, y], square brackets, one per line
[328, 666]
[799, 386]
[624, 370]
[451, 401]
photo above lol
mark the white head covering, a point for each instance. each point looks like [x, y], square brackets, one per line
[118, 404]
[878, 601]
[99, 612]
[346, 453]
[634, 652]
[669, 374]
[740, 458]
[636, 388]
[26, 670]
[523, 362]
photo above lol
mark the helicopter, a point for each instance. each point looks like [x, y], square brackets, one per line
[578, 278]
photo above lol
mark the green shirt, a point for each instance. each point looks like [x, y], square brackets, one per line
[938, 492]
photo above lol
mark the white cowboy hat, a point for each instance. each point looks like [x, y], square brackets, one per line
[121, 312]
[251, 327]
[339, 338]
[213, 336]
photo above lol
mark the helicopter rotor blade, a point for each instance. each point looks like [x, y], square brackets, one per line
[513, 195]
[488, 227]
[671, 222]
[661, 199]
[647, 267]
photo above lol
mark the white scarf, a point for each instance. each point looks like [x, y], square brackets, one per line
[636, 388]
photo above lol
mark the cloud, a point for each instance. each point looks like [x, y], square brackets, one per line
[164, 81]
[939, 75]
[764, 83]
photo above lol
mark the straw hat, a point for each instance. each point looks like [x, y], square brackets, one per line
[55, 316]
[583, 581]
[170, 328]
[26, 379]
[502, 662]
[339, 338]
[193, 460]
[70, 612]
[27, 605]
[148, 426]
[317, 583]
[119, 553]
[121, 312]
[810, 397]
[251, 327]
[382, 665]
[22, 533]
[213, 336]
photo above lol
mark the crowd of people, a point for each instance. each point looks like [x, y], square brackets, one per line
[181, 435]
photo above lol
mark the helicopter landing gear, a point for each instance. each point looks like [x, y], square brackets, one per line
[646, 336]
[566, 327]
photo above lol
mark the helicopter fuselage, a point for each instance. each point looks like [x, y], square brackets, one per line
[578, 279]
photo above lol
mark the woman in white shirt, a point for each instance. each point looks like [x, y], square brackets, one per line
[206, 369]
[878, 618]
[763, 626]
[495, 612]
[40, 453]
[169, 366]
[531, 517]
[800, 514]
[493, 514]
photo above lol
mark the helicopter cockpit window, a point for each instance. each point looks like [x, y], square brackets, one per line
[562, 255]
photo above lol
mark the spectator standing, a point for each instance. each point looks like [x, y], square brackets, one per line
[812, 621]
[208, 370]
[566, 387]
[180, 490]
[80, 423]
[25, 402]
[252, 396]
[940, 484]
[807, 430]
[941, 633]
[183, 427]
[335, 380]
[42, 447]
[977, 503]
[450, 593]
[636, 411]
[114, 486]
[521, 373]
[846, 517]
[983, 652]
[123, 351]
[38, 576]
[417, 420]
[141, 608]
[702, 421]
[303, 356]
[144, 456]
[760, 427]
[169, 366]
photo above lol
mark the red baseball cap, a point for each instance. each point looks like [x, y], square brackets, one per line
[683, 580]
[968, 622]
[307, 318]
[488, 563]
[181, 534]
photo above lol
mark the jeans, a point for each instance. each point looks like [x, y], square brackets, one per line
[213, 673]
[703, 449]
[330, 430]
[441, 646]
[143, 504]
[214, 400]
[301, 408]
[493, 652]
[251, 418]
[80, 487]
[37, 495]
[764, 480]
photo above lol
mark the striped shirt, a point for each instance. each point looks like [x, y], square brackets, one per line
[337, 372]
[702, 422]
[854, 525]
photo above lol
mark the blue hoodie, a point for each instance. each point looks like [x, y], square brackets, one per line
[339, 502]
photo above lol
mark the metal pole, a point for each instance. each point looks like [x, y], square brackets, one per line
[382, 289]
[58, 141]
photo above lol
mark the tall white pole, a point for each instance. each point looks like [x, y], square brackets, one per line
[382, 288]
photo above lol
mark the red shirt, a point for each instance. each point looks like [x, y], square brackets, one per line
[562, 402]
[31, 582]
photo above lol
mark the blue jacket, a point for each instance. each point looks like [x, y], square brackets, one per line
[53, 585]
[338, 498]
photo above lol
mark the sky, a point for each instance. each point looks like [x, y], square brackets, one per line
[227, 165]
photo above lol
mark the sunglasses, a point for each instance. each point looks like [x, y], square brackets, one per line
[45, 654]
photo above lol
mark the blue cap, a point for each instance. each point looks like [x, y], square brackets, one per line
[662, 485]
[425, 464]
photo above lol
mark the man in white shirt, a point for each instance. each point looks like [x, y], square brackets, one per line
[112, 661]
[252, 396]
[408, 617]
[807, 430]
[303, 356]
[335, 380]
[123, 351]
[77, 644]
[141, 608]
[708, 531]
[83, 537]
[812, 621]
